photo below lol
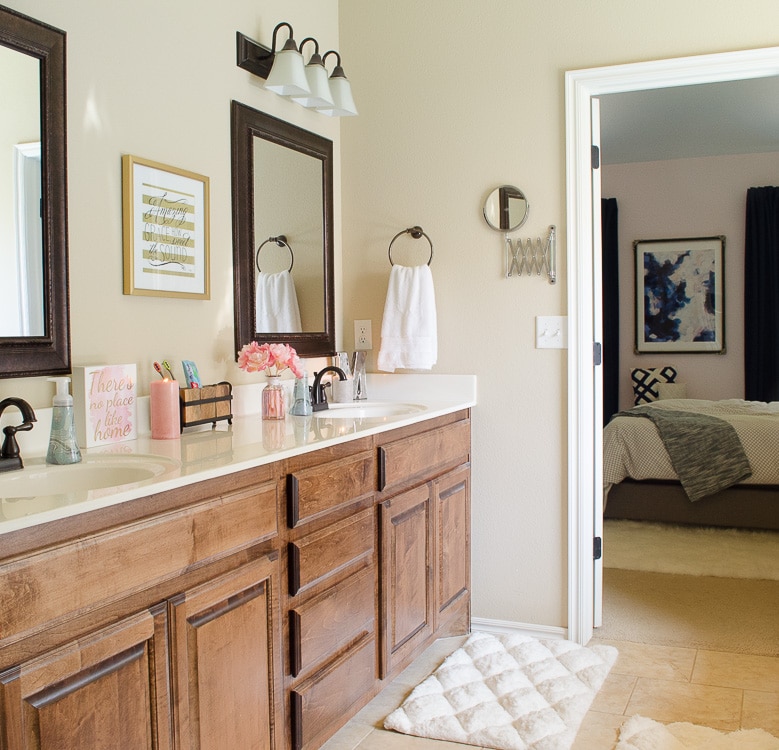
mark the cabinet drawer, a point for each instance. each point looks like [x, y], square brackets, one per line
[320, 489]
[320, 627]
[316, 556]
[62, 581]
[424, 455]
[321, 704]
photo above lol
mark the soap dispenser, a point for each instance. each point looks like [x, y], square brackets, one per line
[63, 448]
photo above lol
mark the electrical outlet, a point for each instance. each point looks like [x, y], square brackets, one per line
[363, 339]
[551, 332]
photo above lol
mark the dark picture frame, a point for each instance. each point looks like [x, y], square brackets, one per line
[680, 295]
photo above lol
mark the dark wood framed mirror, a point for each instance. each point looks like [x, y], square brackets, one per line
[282, 186]
[35, 312]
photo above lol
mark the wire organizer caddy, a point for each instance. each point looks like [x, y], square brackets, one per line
[417, 233]
[539, 257]
[281, 241]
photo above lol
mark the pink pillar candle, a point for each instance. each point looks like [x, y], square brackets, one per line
[164, 408]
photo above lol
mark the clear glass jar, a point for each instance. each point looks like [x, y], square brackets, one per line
[273, 399]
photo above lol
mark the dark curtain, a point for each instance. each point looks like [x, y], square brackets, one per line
[610, 294]
[761, 295]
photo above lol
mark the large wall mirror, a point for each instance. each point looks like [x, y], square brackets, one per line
[282, 233]
[34, 309]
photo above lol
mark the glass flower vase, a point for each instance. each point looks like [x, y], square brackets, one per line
[273, 399]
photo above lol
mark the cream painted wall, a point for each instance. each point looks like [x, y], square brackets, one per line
[456, 98]
[688, 198]
[155, 80]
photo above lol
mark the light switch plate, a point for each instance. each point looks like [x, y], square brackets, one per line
[551, 332]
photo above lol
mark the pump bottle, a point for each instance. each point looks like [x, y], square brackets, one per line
[63, 448]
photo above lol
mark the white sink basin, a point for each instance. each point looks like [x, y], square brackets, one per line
[98, 472]
[369, 409]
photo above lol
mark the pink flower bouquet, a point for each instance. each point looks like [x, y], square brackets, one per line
[272, 358]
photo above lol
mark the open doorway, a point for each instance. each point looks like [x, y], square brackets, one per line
[584, 293]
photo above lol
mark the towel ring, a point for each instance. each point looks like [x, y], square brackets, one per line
[281, 241]
[416, 233]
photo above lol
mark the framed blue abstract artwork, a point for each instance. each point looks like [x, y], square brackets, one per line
[680, 295]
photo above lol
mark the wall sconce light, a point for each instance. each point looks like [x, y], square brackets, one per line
[341, 90]
[286, 74]
[319, 95]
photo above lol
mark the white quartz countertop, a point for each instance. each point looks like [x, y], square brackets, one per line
[206, 453]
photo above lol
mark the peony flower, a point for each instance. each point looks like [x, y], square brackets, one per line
[273, 358]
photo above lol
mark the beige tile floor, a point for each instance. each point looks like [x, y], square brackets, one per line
[722, 690]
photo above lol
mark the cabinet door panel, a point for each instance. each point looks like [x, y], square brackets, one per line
[326, 623]
[108, 690]
[453, 575]
[320, 489]
[424, 455]
[316, 556]
[406, 530]
[225, 662]
[321, 704]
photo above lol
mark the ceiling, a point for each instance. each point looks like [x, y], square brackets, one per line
[712, 119]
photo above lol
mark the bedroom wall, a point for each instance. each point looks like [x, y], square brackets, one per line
[687, 198]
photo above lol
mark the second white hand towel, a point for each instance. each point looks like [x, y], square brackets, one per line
[409, 335]
[277, 304]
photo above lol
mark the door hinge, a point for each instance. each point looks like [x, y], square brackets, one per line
[597, 353]
[595, 157]
[597, 548]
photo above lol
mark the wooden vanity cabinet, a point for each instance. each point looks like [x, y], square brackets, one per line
[259, 610]
[154, 633]
[424, 516]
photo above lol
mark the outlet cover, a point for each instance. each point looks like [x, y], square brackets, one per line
[551, 332]
[363, 337]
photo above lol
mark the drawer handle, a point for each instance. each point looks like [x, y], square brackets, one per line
[295, 649]
[382, 469]
[293, 500]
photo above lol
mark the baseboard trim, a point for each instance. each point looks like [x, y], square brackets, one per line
[498, 627]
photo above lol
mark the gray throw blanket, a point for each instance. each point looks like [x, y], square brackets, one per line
[705, 451]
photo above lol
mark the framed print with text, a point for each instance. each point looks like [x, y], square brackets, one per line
[165, 218]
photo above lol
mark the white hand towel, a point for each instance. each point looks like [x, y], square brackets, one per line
[409, 337]
[277, 308]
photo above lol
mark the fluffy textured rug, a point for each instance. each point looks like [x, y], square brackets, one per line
[690, 550]
[639, 733]
[509, 692]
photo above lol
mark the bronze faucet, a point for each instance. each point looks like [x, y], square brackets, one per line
[318, 395]
[9, 453]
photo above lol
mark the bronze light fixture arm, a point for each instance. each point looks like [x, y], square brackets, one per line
[256, 57]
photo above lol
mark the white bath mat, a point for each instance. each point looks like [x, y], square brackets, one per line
[639, 733]
[509, 692]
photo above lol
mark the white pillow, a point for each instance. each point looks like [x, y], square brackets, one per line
[671, 390]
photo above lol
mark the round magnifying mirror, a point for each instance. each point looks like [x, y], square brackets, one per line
[506, 208]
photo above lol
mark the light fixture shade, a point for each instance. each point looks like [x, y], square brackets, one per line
[319, 96]
[288, 75]
[343, 102]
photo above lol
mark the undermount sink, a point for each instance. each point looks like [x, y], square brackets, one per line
[368, 409]
[93, 473]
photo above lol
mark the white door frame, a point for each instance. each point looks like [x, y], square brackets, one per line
[584, 445]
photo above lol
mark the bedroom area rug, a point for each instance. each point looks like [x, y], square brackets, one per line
[691, 550]
[507, 692]
[715, 589]
[639, 733]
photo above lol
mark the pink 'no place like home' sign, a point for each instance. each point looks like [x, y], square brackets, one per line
[105, 397]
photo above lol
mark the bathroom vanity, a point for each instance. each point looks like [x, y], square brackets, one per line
[254, 603]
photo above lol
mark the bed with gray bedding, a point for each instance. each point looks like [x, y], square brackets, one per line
[694, 461]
